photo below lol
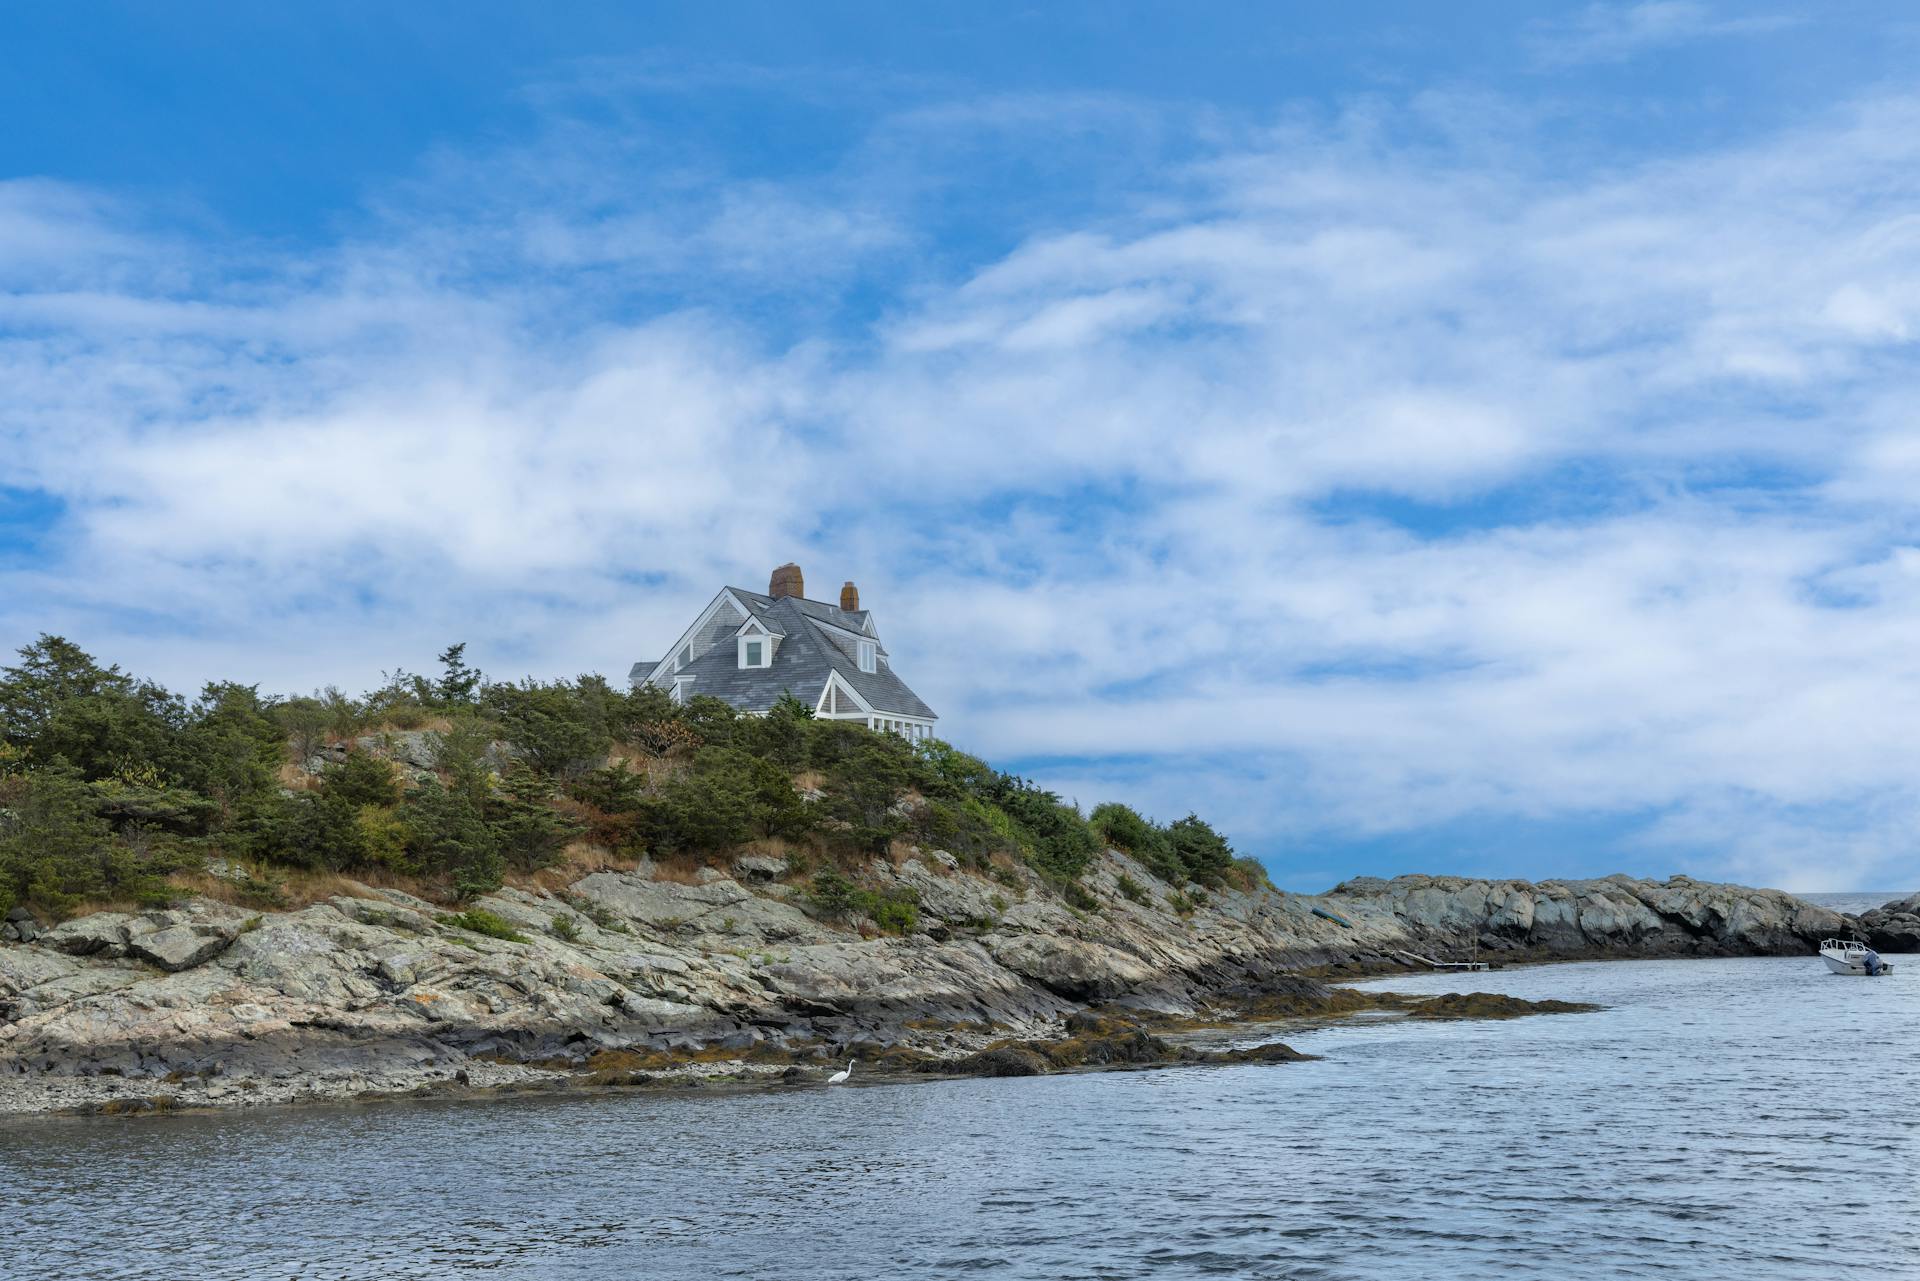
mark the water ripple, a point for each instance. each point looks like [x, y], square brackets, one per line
[1742, 1119]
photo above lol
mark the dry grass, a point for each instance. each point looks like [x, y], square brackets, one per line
[426, 724]
[88, 906]
[295, 888]
[768, 847]
[582, 858]
[809, 780]
[296, 779]
[681, 869]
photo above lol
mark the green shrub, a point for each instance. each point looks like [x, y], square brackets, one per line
[895, 909]
[830, 891]
[1203, 853]
[1077, 896]
[161, 779]
[527, 831]
[361, 779]
[1122, 827]
[479, 920]
[1060, 842]
[54, 849]
[565, 928]
[318, 830]
[448, 838]
[561, 729]
[1131, 888]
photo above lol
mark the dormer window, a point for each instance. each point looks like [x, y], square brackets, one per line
[868, 656]
[756, 651]
[682, 689]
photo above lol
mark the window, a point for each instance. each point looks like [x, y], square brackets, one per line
[867, 651]
[682, 688]
[755, 651]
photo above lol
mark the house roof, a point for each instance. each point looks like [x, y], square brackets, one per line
[801, 663]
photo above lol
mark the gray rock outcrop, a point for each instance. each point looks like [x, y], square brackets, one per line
[1894, 927]
[379, 990]
[1614, 916]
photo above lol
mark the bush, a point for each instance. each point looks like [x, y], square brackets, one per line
[527, 831]
[480, 921]
[447, 837]
[1131, 889]
[830, 891]
[1203, 853]
[361, 779]
[126, 781]
[54, 849]
[318, 831]
[1062, 845]
[1122, 827]
[561, 729]
[895, 910]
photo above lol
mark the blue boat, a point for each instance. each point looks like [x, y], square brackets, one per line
[1335, 917]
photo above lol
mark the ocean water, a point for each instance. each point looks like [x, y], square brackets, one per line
[1735, 1119]
[1854, 902]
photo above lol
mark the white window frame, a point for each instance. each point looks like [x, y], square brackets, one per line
[766, 650]
[869, 656]
[682, 685]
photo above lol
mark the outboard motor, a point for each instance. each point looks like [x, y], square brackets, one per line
[1872, 962]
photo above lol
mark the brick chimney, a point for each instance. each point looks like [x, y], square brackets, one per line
[849, 597]
[786, 581]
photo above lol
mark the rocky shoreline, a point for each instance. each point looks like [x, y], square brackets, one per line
[636, 979]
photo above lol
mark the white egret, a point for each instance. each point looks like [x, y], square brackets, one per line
[838, 1077]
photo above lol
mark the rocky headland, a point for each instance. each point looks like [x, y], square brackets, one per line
[644, 976]
[1893, 927]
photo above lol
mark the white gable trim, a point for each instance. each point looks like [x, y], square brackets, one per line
[753, 626]
[861, 709]
[665, 666]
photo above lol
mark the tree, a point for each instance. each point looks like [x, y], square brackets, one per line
[447, 836]
[527, 830]
[54, 849]
[1203, 852]
[560, 729]
[319, 830]
[52, 671]
[458, 682]
[304, 722]
[232, 746]
[361, 779]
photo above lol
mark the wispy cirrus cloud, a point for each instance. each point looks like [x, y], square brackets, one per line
[1603, 33]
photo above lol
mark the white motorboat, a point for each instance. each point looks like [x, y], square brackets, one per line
[1851, 956]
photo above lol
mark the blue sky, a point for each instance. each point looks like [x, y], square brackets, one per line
[1453, 438]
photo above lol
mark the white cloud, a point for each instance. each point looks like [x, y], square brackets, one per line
[1617, 32]
[1117, 494]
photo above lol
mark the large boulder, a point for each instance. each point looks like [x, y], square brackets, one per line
[180, 947]
[1894, 927]
[101, 934]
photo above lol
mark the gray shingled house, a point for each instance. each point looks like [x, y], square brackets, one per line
[748, 649]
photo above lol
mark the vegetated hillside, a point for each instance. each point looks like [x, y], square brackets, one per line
[114, 790]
